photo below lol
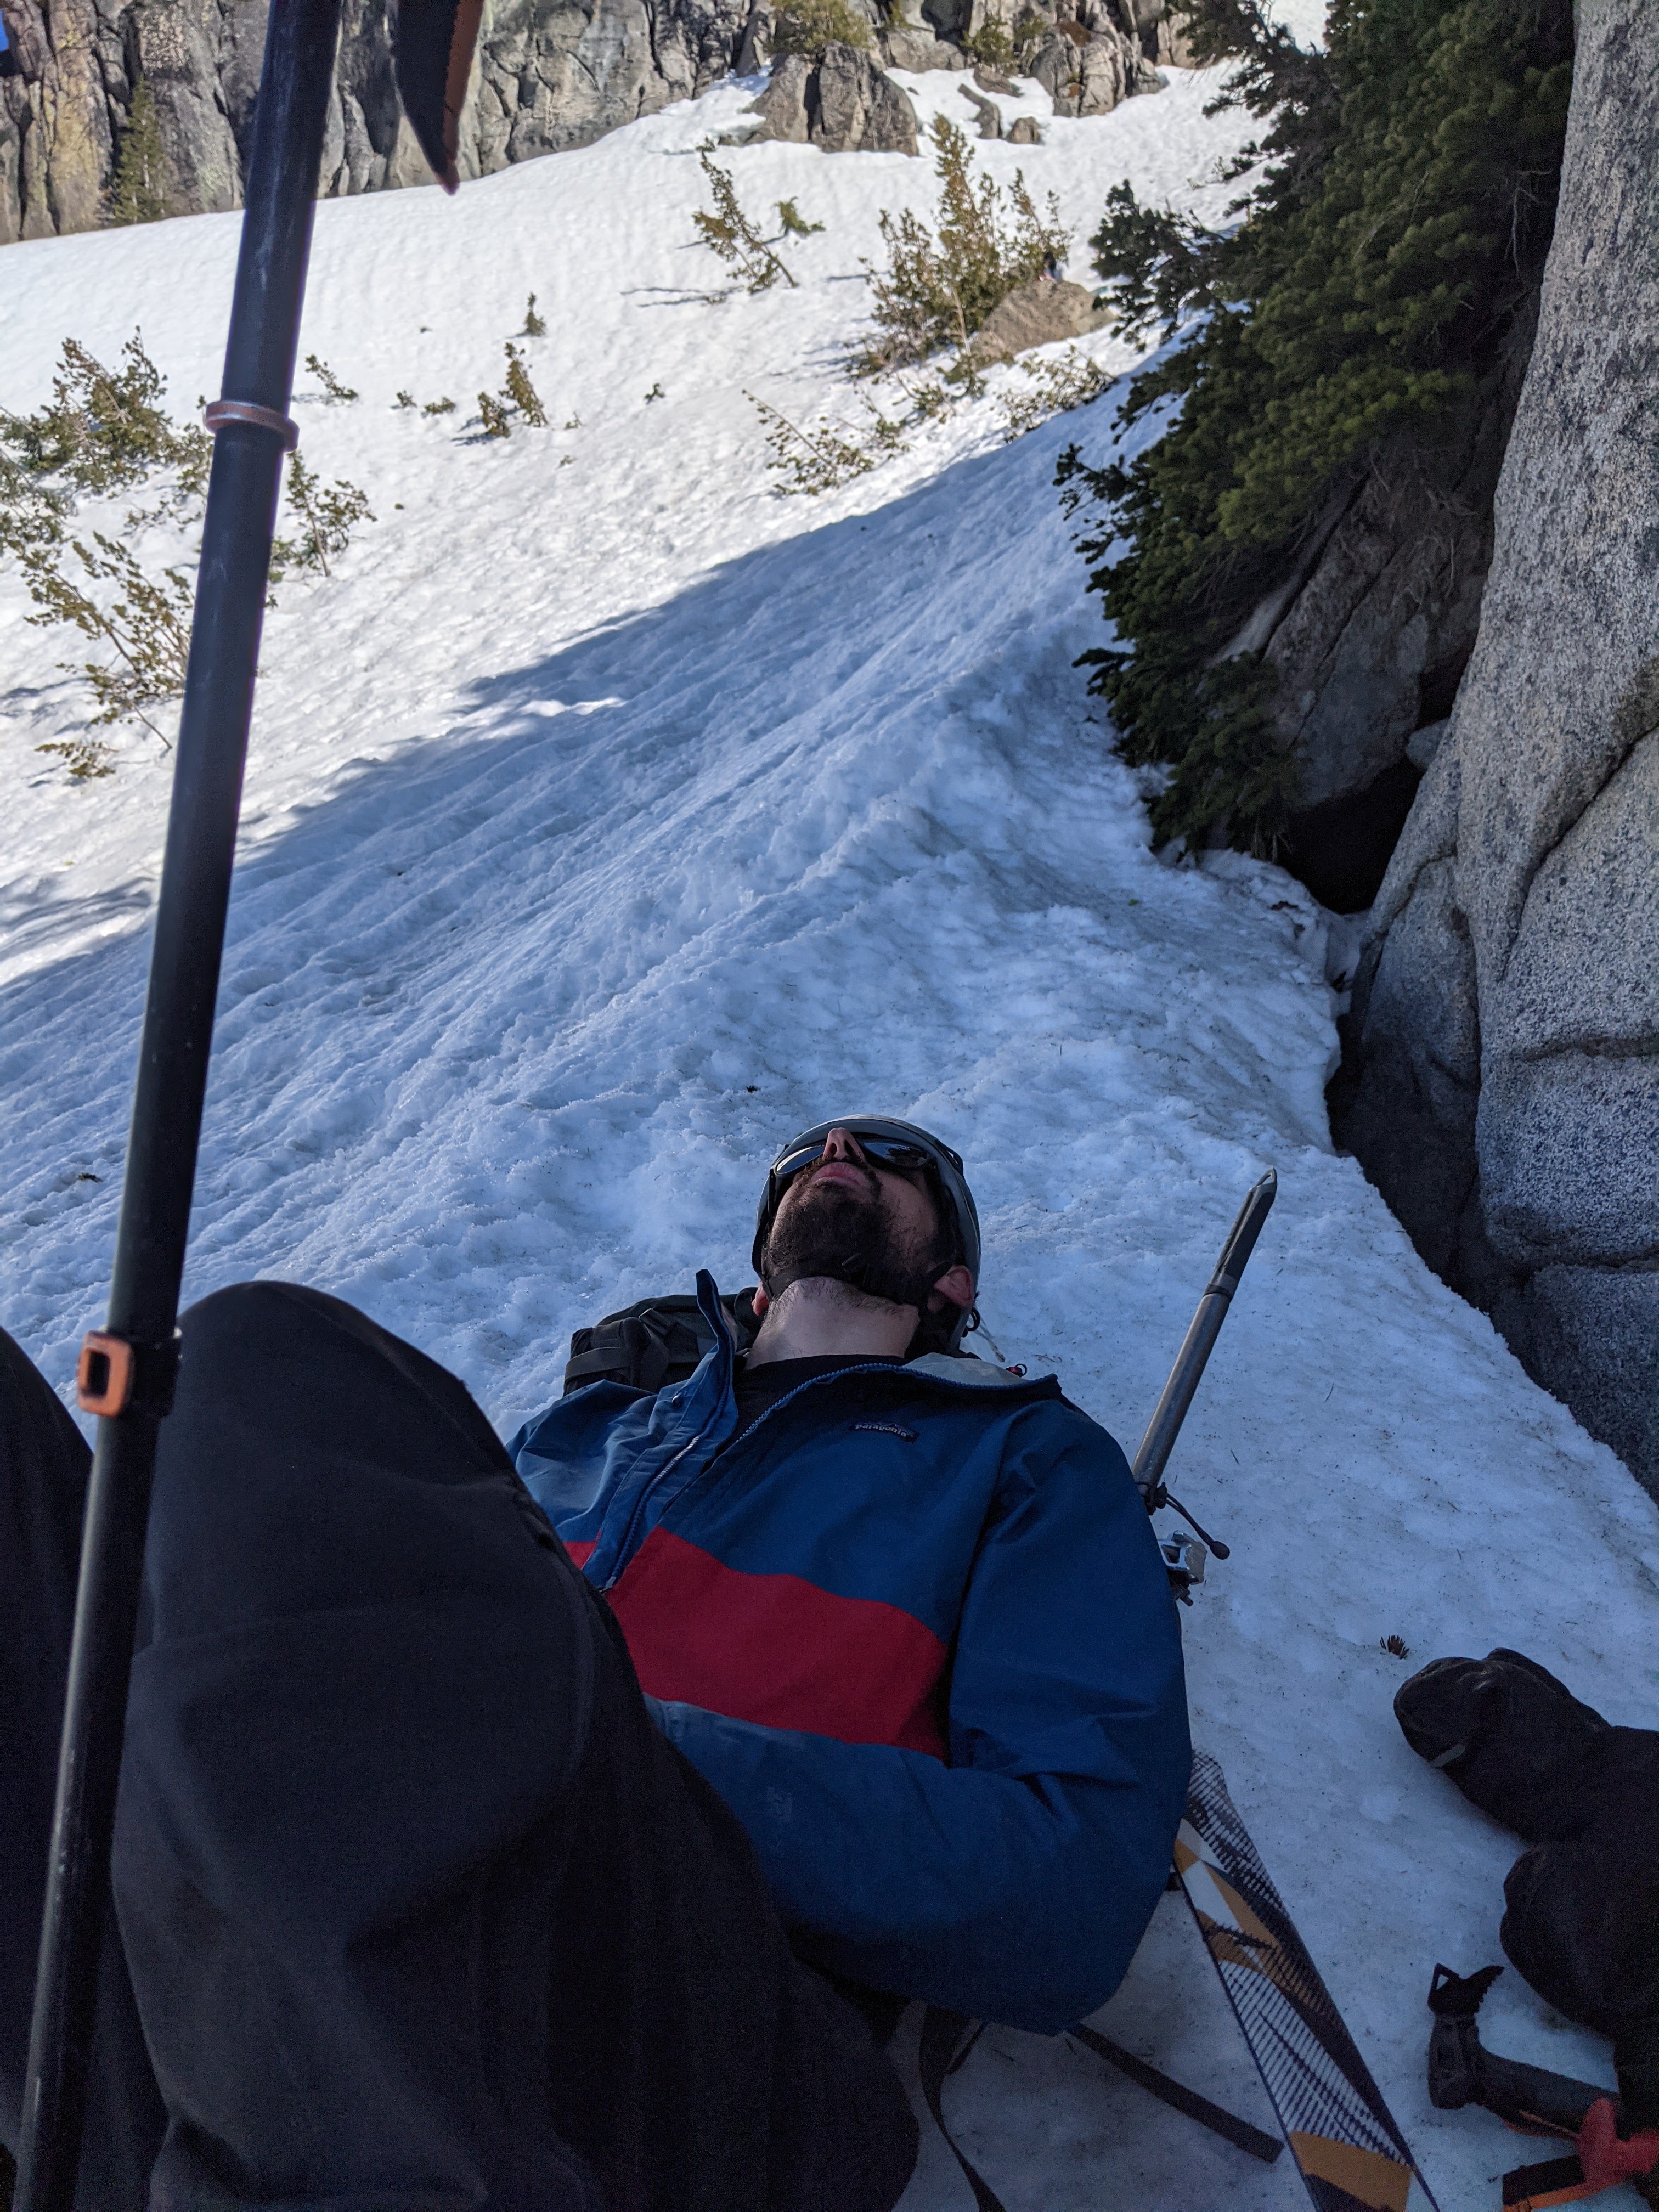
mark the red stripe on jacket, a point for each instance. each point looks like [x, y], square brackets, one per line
[775, 1648]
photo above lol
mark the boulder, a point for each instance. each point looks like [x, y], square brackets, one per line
[1036, 314]
[1526, 887]
[990, 115]
[1024, 130]
[782, 106]
[905, 47]
[1156, 28]
[842, 104]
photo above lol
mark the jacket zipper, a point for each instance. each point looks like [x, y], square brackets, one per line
[626, 1551]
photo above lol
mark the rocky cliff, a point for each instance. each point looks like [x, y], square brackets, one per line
[1372, 643]
[550, 74]
[1501, 1083]
[547, 77]
[1370, 635]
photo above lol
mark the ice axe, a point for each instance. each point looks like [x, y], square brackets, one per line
[1184, 1559]
[127, 1369]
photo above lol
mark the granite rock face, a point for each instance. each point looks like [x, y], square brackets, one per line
[1370, 636]
[1373, 644]
[1515, 955]
[904, 46]
[1093, 74]
[550, 74]
[546, 77]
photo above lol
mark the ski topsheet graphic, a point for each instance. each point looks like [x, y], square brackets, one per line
[1342, 2135]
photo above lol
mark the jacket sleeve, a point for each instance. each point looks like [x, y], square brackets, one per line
[1015, 1883]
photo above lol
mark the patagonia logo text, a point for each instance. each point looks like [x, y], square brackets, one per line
[887, 1429]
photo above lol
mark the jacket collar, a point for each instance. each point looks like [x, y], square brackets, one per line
[960, 1370]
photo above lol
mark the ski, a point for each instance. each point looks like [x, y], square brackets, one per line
[1347, 2148]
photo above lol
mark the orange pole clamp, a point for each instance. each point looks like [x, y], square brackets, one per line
[104, 1375]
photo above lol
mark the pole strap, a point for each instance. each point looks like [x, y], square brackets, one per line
[947, 2038]
[1219, 2121]
[223, 413]
[123, 1375]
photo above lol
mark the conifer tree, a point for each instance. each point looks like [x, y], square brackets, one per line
[1359, 320]
[807, 27]
[941, 284]
[138, 190]
[521, 391]
[730, 234]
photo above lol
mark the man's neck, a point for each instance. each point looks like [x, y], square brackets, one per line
[818, 1317]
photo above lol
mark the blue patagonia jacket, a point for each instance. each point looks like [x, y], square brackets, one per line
[913, 1626]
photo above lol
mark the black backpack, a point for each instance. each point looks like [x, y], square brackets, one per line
[658, 1341]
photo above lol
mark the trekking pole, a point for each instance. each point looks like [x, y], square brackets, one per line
[1164, 1426]
[127, 1369]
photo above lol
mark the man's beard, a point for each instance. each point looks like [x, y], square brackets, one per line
[833, 1229]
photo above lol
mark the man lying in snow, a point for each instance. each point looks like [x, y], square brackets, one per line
[424, 1904]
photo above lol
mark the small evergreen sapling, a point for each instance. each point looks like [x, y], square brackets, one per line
[827, 456]
[792, 223]
[332, 384]
[807, 27]
[941, 284]
[1052, 387]
[327, 514]
[103, 431]
[146, 625]
[1029, 30]
[991, 46]
[517, 395]
[104, 428]
[520, 392]
[729, 232]
[534, 327]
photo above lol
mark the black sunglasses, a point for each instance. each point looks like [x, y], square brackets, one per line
[886, 1152]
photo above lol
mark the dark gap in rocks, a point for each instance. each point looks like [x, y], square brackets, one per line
[1436, 688]
[1423, 1164]
[1340, 849]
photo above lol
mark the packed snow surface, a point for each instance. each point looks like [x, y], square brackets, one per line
[608, 817]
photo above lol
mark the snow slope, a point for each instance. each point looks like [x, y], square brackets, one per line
[608, 819]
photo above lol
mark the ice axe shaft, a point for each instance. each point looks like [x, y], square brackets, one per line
[1164, 1426]
[131, 1388]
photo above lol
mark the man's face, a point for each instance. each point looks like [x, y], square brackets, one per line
[847, 1206]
